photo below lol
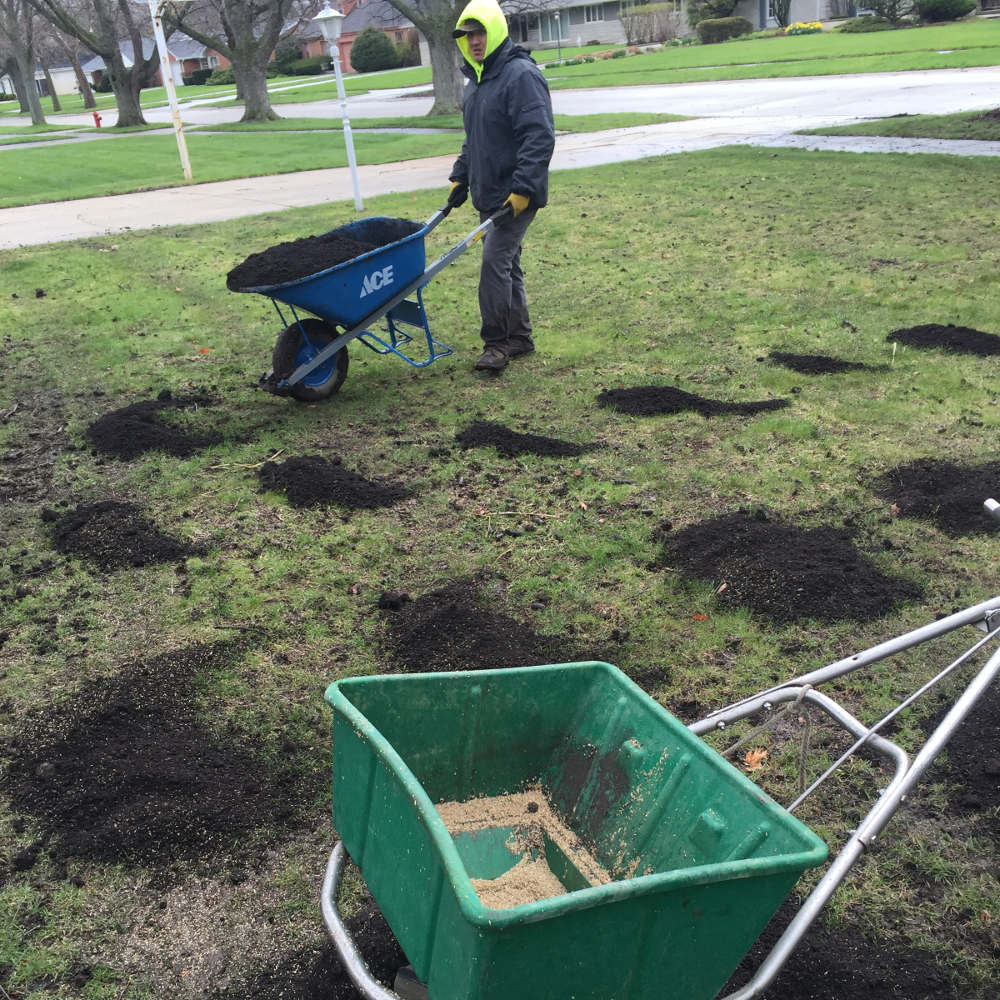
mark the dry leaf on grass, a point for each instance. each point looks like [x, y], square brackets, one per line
[755, 758]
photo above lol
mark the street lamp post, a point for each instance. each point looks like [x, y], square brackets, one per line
[558, 35]
[330, 22]
[156, 13]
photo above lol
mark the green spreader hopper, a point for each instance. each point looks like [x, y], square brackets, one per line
[695, 857]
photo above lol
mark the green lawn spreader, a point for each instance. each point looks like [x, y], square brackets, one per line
[700, 858]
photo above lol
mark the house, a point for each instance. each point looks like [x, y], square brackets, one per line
[184, 55]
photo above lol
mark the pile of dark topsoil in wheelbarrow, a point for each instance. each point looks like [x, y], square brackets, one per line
[309, 255]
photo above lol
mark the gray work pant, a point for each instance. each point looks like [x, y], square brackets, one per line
[503, 305]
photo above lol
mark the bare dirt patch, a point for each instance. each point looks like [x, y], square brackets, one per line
[113, 534]
[127, 772]
[39, 439]
[783, 572]
[484, 434]
[313, 481]
[815, 364]
[134, 430]
[947, 494]
[957, 339]
[657, 400]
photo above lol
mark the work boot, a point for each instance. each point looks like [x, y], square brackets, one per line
[517, 346]
[493, 359]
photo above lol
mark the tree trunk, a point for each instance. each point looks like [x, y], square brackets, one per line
[10, 68]
[125, 84]
[24, 62]
[56, 106]
[82, 82]
[252, 86]
[448, 82]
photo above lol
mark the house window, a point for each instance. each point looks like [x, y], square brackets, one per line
[213, 61]
[593, 12]
[553, 27]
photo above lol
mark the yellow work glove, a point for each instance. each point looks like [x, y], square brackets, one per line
[458, 193]
[518, 203]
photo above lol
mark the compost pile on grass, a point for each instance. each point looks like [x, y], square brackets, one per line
[484, 434]
[133, 430]
[814, 364]
[127, 771]
[448, 629]
[957, 339]
[783, 572]
[313, 481]
[948, 494]
[309, 255]
[655, 400]
[112, 534]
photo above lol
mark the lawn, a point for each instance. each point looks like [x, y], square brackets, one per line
[977, 125]
[165, 745]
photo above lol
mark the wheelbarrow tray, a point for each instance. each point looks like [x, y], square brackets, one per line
[700, 857]
[350, 291]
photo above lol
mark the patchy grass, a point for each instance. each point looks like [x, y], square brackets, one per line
[684, 271]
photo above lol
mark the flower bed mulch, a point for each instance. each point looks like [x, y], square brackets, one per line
[946, 493]
[313, 481]
[126, 771]
[112, 534]
[815, 364]
[654, 400]
[957, 339]
[485, 433]
[783, 572]
[134, 430]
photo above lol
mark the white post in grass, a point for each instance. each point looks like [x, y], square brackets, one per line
[330, 22]
[156, 14]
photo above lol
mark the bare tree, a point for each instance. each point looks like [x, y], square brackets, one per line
[111, 20]
[246, 32]
[17, 36]
[66, 47]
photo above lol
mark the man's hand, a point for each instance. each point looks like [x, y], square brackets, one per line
[518, 203]
[458, 193]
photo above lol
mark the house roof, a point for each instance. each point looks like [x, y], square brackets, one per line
[375, 13]
[179, 45]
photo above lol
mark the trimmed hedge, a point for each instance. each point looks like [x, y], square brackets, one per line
[719, 29]
[943, 10]
[308, 67]
[197, 77]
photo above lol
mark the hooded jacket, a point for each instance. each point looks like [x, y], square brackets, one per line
[507, 112]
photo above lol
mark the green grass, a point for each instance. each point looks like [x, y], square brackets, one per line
[641, 273]
[145, 162]
[964, 125]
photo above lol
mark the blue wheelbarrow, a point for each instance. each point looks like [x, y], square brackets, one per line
[309, 362]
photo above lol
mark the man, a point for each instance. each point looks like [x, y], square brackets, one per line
[509, 137]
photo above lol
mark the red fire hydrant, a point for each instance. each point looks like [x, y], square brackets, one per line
[97, 118]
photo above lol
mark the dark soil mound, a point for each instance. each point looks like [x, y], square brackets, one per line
[783, 572]
[133, 430]
[844, 965]
[993, 115]
[948, 494]
[310, 255]
[814, 364]
[449, 630]
[652, 400]
[483, 433]
[973, 762]
[317, 974]
[113, 534]
[311, 481]
[958, 339]
[126, 772]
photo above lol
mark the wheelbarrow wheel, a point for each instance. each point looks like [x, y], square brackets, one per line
[292, 350]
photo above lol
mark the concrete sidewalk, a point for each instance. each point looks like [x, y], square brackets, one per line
[753, 112]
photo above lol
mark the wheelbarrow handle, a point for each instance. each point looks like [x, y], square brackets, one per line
[368, 986]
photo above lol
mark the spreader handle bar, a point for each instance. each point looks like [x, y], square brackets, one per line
[442, 262]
